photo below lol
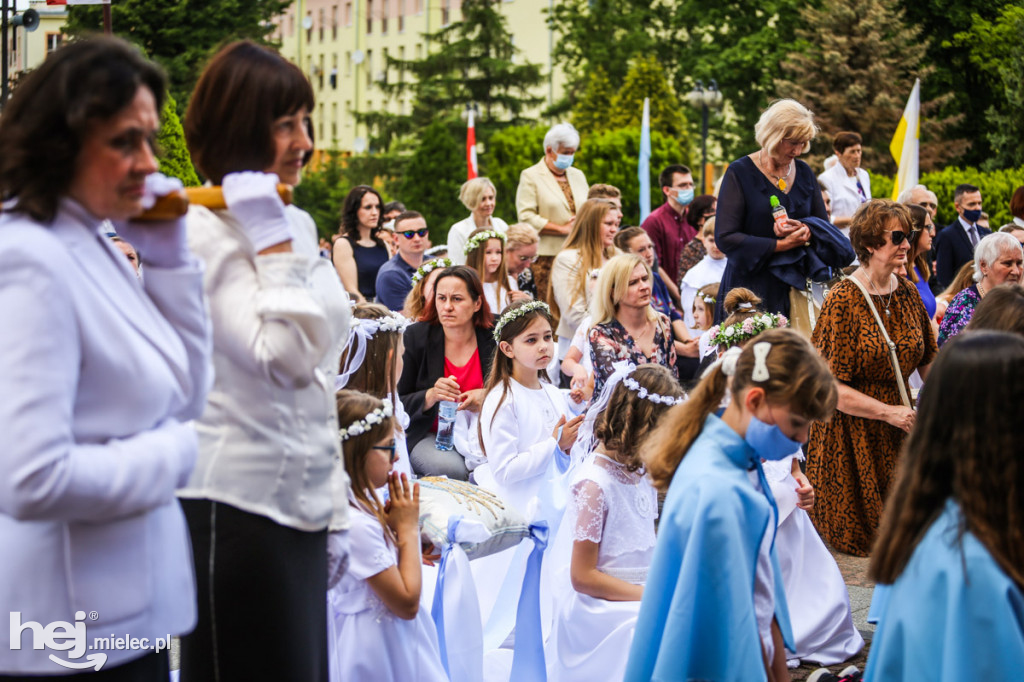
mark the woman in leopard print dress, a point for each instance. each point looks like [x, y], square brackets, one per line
[852, 457]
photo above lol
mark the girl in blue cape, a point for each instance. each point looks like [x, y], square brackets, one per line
[950, 549]
[714, 607]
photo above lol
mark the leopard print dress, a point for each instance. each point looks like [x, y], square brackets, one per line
[851, 460]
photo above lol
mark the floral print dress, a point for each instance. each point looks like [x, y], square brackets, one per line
[611, 343]
[959, 313]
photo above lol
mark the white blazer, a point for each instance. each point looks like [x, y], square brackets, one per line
[99, 375]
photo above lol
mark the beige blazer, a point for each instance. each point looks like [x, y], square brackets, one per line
[539, 200]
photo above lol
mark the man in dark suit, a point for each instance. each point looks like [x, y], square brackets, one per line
[955, 244]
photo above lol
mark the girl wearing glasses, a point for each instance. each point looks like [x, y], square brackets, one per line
[852, 457]
[376, 630]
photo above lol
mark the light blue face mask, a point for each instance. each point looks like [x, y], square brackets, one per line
[563, 161]
[768, 440]
[684, 196]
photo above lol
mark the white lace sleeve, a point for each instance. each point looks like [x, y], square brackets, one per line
[591, 507]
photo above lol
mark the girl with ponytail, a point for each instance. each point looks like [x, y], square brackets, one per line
[699, 618]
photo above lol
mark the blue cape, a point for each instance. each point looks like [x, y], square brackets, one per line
[952, 615]
[697, 619]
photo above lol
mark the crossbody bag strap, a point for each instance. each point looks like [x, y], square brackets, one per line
[885, 335]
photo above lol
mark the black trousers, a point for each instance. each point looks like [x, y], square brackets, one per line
[262, 591]
[153, 667]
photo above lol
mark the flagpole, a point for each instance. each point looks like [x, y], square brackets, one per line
[3, 55]
[107, 23]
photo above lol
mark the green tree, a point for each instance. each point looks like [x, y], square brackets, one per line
[181, 34]
[996, 52]
[322, 193]
[472, 60]
[436, 171]
[646, 78]
[172, 153]
[974, 90]
[593, 111]
[854, 66]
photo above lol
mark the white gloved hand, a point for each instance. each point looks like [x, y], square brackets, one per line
[252, 198]
[160, 244]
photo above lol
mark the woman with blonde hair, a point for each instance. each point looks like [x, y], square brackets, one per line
[626, 326]
[745, 229]
[480, 197]
[520, 253]
[590, 244]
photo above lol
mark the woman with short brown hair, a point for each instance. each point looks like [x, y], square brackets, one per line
[852, 457]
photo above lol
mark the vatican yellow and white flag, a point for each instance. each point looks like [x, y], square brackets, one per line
[906, 143]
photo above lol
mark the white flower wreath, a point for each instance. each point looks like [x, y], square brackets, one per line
[481, 237]
[363, 425]
[634, 385]
[516, 313]
[429, 267]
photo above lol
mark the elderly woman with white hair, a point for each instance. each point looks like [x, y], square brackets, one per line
[479, 196]
[998, 259]
[745, 229]
[549, 194]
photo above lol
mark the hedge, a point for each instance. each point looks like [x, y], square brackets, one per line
[997, 187]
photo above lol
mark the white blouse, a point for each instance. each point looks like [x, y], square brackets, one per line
[268, 439]
[707, 271]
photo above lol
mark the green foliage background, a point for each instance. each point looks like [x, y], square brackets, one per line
[997, 187]
[171, 150]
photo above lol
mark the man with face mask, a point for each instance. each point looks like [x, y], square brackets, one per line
[667, 226]
[954, 245]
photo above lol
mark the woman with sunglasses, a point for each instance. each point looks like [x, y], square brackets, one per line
[852, 457]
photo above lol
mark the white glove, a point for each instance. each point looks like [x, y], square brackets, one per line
[252, 198]
[160, 244]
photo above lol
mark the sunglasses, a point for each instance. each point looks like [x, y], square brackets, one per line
[409, 234]
[898, 236]
[387, 448]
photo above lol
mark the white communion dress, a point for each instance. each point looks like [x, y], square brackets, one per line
[819, 603]
[615, 508]
[366, 641]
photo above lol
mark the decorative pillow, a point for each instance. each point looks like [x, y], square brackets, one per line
[442, 498]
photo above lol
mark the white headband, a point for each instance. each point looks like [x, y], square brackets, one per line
[359, 336]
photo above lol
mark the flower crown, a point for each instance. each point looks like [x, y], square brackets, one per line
[480, 237]
[429, 267]
[392, 322]
[747, 329]
[369, 421]
[516, 313]
[634, 385]
[708, 299]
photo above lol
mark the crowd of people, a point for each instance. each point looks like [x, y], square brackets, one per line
[215, 429]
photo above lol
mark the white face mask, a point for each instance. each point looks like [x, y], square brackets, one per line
[563, 161]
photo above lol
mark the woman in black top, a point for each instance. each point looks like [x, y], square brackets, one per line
[360, 252]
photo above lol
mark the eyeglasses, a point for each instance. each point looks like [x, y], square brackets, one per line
[530, 259]
[898, 236]
[409, 234]
[928, 204]
[388, 448]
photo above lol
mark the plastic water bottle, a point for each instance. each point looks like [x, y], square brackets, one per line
[446, 410]
[779, 214]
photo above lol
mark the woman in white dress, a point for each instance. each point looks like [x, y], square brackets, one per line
[480, 197]
[610, 522]
[376, 630]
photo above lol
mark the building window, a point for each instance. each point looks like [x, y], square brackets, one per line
[401, 16]
[53, 42]
[369, 16]
[446, 12]
[348, 12]
[322, 22]
[348, 63]
[346, 115]
[334, 22]
[320, 72]
[369, 68]
[309, 24]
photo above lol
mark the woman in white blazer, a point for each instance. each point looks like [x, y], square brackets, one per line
[100, 373]
[260, 500]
